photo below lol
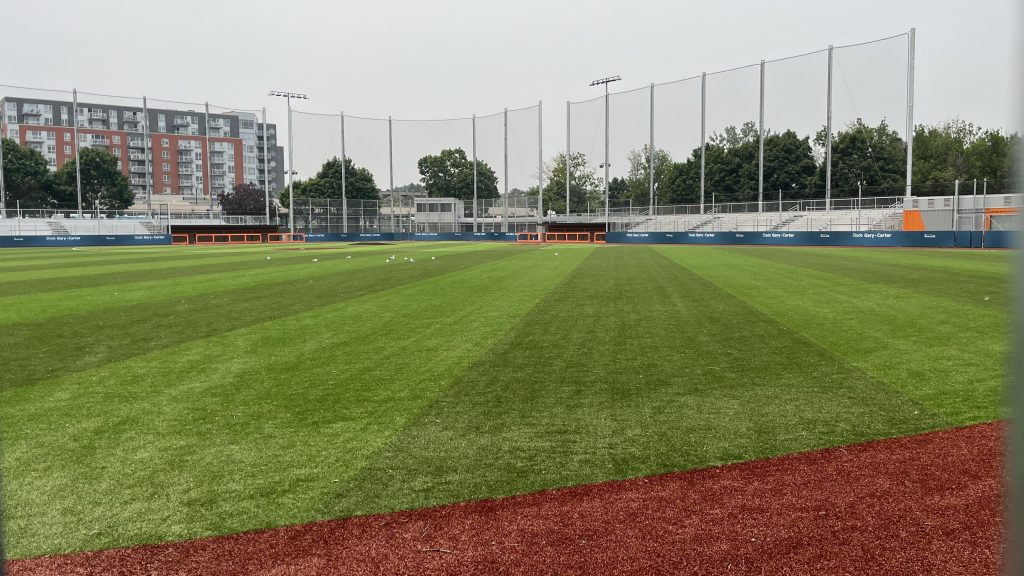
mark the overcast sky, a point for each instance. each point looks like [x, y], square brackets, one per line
[429, 59]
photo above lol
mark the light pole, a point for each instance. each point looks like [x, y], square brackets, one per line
[291, 154]
[605, 82]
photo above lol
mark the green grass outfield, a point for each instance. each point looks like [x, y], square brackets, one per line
[154, 394]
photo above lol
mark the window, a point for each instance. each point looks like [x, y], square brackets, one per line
[166, 167]
[67, 136]
[167, 189]
[165, 154]
[165, 142]
[51, 135]
[117, 152]
[67, 149]
[167, 178]
[12, 107]
[116, 139]
[12, 118]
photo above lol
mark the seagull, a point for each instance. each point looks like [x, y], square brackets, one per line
[268, 257]
[411, 259]
[433, 258]
[348, 257]
[316, 259]
[556, 253]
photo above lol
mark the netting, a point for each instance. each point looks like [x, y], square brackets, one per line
[677, 133]
[586, 141]
[732, 108]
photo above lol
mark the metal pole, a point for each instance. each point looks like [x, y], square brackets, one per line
[859, 196]
[910, 113]
[391, 175]
[540, 164]
[344, 170]
[956, 204]
[146, 145]
[78, 158]
[606, 155]
[974, 207]
[828, 137]
[291, 171]
[505, 203]
[209, 163]
[650, 167]
[266, 169]
[3, 194]
[760, 149]
[703, 133]
[568, 154]
[474, 174]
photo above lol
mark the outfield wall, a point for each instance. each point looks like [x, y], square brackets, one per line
[945, 239]
[85, 240]
[401, 236]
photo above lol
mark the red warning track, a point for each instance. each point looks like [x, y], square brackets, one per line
[929, 504]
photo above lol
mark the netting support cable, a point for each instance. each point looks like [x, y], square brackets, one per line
[344, 169]
[910, 112]
[474, 175]
[760, 148]
[78, 157]
[828, 136]
[703, 133]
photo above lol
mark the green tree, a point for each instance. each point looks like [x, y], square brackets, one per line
[788, 165]
[28, 181]
[873, 155]
[449, 174]
[359, 183]
[960, 150]
[638, 181]
[246, 199]
[584, 186]
[103, 184]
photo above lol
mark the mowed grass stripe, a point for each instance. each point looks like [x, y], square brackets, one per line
[920, 342]
[36, 351]
[253, 428]
[37, 307]
[893, 267]
[632, 366]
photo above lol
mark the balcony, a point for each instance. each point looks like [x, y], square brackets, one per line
[32, 110]
[136, 143]
[136, 169]
[34, 136]
[98, 141]
[97, 115]
[185, 170]
[140, 181]
[185, 146]
[218, 123]
[185, 159]
[136, 155]
[217, 172]
[182, 121]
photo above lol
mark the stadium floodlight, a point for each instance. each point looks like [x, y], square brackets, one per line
[291, 148]
[605, 82]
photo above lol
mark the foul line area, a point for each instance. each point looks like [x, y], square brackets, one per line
[926, 504]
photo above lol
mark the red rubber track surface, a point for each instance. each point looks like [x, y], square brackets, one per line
[928, 504]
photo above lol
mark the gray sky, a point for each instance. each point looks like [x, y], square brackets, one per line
[430, 59]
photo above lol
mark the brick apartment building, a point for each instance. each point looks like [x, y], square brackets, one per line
[176, 149]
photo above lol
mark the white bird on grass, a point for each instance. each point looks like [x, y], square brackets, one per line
[268, 257]
[316, 259]
[348, 257]
[411, 260]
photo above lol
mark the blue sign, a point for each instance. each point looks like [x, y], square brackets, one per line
[783, 238]
[86, 240]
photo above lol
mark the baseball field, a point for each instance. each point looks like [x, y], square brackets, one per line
[154, 395]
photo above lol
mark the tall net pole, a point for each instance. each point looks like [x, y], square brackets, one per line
[828, 137]
[3, 196]
[344, 170]
[568, 153]
[147, 147]
[266, 169]
[78, 157]
[209, 158]
[540, 164]
[760, 148]
[474, 174]
[910, 113]
[291, 170]
[607, 153]
[703, 133]
[391, 173]
[505, 209]
[650, 167]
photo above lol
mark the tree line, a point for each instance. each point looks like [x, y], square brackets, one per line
[30, 184]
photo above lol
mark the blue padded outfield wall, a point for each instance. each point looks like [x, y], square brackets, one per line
[86, 240]
[398, 236]
[782, 238]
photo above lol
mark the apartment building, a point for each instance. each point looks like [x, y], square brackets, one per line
[173, 161]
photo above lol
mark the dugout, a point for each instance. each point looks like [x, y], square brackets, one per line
[246, 232]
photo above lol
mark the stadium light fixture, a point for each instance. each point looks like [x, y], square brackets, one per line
[605, 82]
[291, 147]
